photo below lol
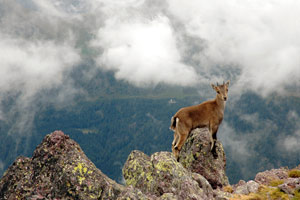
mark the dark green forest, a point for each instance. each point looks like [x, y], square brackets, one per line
[111, 118]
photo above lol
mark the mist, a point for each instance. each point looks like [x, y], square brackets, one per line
[255, 44]
[252, 42]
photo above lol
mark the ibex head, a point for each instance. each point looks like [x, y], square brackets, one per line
[221, 90]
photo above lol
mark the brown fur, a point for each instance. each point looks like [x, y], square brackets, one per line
[207, 114]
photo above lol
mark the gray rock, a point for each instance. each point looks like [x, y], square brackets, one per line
[221, 195]
[60, 170]
[290, 185]
[252, 186]
[196, 156]
[134, 194]
[161, 175]
[241, 189]
[204, 184]
[268, 176]
[245, 188]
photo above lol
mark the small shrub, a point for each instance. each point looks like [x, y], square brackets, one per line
[276, 182]
[227, 188]
[278, 194]
[274, 193]
[296, 195]
[294, 173]
[264, 192]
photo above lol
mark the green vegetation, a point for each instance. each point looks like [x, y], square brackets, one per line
[294, 173]
[263, 193]
[227, 188]
[296, 195]
[276, 182]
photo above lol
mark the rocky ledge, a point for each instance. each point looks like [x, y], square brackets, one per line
[59, 169]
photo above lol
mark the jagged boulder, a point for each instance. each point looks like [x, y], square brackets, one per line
[14, 183]
[244, 187]
[268, 176]
[58, 170]
[161, 175]
[196, 156]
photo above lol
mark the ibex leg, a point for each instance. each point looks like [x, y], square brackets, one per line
[175, 140]
[212, 142]
[182, 138]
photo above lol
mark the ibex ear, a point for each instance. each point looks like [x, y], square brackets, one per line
[227, 83]
[213, 86]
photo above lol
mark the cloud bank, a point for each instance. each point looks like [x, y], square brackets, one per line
[254, 43]
[186, 43]
[36, 54]
[145, 53]
[260, 39]
[146, 43]
[29, 67]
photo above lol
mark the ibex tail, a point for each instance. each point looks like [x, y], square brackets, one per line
[174, 121]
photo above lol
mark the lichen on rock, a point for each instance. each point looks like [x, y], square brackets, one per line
[197, 157]
[58, 169]
[161, 175]
[268, 176]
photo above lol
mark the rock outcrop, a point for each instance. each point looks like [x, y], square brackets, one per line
[279, 183]
[59, 169]
[197, 157]
[161, 174]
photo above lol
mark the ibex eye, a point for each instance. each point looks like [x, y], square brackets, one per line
[218, 92]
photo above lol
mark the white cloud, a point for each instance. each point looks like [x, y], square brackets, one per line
[143, 52]
[29, 67]
[259, 38]
[255, 43]
[291, 143]
[37, 50]
[237, 146]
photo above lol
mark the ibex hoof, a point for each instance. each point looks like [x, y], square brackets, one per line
[176, 156]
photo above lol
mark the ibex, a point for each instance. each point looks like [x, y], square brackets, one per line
[207, 114]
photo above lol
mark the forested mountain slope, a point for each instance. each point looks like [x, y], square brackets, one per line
[109, 119]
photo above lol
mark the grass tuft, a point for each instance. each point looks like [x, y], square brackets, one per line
[294, 173]
[276, 182]
[228, 189]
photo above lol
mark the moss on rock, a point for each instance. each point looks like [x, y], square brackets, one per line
[168, 179]
[197, 157]
[58, 169]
